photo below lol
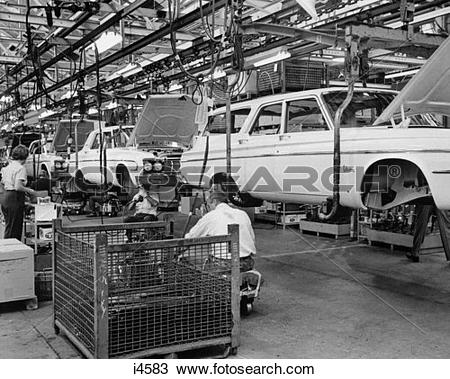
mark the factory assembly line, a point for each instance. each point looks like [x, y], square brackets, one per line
[224, 178]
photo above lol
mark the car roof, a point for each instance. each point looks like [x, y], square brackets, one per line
[292, 95]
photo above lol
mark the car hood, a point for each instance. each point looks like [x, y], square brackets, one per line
[66, 128]
[166, 120]
[428, 91]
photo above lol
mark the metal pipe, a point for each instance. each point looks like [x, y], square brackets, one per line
[139, 44]
[46, 46]
[337, 153]
[228, 132]
[80, 43]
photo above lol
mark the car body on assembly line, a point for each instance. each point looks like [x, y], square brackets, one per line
[395, 148]
[50, 158]
[146, 153]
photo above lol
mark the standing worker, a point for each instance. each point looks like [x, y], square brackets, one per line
[14, 180]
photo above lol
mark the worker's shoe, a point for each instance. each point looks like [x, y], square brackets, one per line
[412, 258]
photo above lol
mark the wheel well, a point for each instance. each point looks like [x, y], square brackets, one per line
[384, 171]
[386, 182]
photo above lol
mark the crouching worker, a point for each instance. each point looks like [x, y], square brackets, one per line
[145, 204]
[216, 221]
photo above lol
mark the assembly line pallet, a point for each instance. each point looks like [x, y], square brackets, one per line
[432, 242]
[325, 229]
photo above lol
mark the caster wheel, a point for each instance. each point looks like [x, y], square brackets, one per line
[57, 330]
[233, 351]
[171, 356]
[245, 307]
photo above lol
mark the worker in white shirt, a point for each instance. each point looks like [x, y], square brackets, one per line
[216, 222]
[14, 181]
[146, 205]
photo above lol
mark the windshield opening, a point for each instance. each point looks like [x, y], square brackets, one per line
[366, 107]
[217, 123]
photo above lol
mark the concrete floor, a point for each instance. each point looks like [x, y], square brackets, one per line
[322, 298]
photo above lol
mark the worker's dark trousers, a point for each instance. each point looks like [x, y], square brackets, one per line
[13, 204]
[443, 218]
[424, 212]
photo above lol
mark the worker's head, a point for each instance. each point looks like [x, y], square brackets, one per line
[20, 153]
[217, 195]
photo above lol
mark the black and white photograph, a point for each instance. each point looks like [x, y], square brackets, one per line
[225, 187]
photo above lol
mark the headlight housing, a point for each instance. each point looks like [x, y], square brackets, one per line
[60, 165]
[157, 166]
[148, 166]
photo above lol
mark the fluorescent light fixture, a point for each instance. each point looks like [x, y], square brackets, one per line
[309, 6]
[175, 87]
[338, 60]
[340, 83]
[68, 95]
[129, 69]
[106, 41]
[422, 17]
[185, 45]
[401, 74]
[112, 105]
[6, 99]
[217, 74]
[271, 56]
[47, 113]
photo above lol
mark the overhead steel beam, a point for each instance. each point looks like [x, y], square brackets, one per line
[62, 32]
[221, 61]
[383, 35]
[9, 59]
[107, 8]
[38, 20]
[151, 38]
[288, 31]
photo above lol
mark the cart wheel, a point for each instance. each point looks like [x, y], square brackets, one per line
[171, 356]
[246, 306]
[56, 329]
[233, 351]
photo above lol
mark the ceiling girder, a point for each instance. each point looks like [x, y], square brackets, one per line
[82, 41]
[45, 46]
[139, 44]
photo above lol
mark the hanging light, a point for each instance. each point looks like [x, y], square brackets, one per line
[106, 41]
[271, 56]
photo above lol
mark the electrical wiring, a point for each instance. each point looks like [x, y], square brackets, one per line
[231, 33]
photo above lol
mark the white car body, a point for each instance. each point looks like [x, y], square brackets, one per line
[51, 158]
[43, 161]
[118, 156]
[165, 125]
[283, 150]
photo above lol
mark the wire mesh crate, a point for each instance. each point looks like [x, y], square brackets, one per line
[115, 298]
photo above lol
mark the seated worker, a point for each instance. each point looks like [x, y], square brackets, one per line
[146, 205]
[216, 222]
